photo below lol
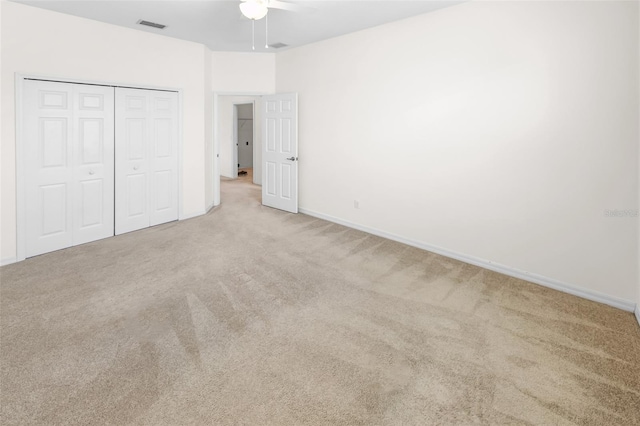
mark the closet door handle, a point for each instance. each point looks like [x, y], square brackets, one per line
[135, 167]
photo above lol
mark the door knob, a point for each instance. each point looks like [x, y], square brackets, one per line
[135, 167]
[91, 172]
[292, 158]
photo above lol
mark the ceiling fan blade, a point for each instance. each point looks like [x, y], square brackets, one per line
[291, 7]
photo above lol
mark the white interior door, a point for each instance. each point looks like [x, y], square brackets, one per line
[146, 158]
[68, 146]
[280, 152]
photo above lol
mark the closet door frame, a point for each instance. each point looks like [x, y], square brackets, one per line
[21, 195]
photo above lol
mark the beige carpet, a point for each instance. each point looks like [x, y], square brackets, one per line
[254, 316]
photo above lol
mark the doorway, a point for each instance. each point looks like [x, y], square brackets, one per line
[226, 131]
[244, 137]
[275, 136]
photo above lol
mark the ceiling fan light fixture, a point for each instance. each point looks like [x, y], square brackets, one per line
[254, 9]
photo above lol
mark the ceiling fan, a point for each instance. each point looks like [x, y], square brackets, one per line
[258, 9]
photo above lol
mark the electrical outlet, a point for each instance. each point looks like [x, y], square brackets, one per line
[356, 204]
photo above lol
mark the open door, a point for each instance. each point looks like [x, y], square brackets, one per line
[280, 152]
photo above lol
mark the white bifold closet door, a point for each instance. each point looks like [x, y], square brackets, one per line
[68, 142]
[146, 158]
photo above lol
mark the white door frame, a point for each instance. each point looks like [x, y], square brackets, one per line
[21, 208]
[234, 151]
[216, 139]
[236, 133]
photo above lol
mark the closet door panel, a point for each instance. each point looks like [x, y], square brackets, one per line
[146, 158]
[94, 163]
[68, 143]
[164, 158]
[47, 129]
[132, 160]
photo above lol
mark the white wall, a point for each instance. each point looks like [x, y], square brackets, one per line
[244, 73]
[41, 42]
[638, 172]
[495, 131]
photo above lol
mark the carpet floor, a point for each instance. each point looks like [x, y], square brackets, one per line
[250, 316]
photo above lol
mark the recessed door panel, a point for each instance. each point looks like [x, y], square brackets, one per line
[163, 104]
[271, 135]
[135, 103]
[136, 141]
[54, 209]
[92, 197]
[162, 197]
[285, 183]
[53, 142]
[271, 106]
[162, 136]
[49, 99]
[270, 178]
[136, 195]
[91, 101]
[285, 141]
[91, 140]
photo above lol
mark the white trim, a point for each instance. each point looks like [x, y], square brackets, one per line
[192, 215]
[637, 312]
[236, 136]
[96, 82]
[180, 156]
[8, 261]
[487, 264]
[209, 207]
[254, 154]
[215, 151]
[242, 93]
[21, 208]
[236, 142]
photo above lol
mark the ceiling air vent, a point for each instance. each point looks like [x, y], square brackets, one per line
[278, 45]
[151, 24]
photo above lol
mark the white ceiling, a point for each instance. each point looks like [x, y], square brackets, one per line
[219, 25]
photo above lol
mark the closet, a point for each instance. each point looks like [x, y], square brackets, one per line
[98, 161]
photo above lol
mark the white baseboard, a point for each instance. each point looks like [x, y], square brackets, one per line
[210, 206]
[638, 313]
[192, 215]
[487, 264]
[8, 261]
